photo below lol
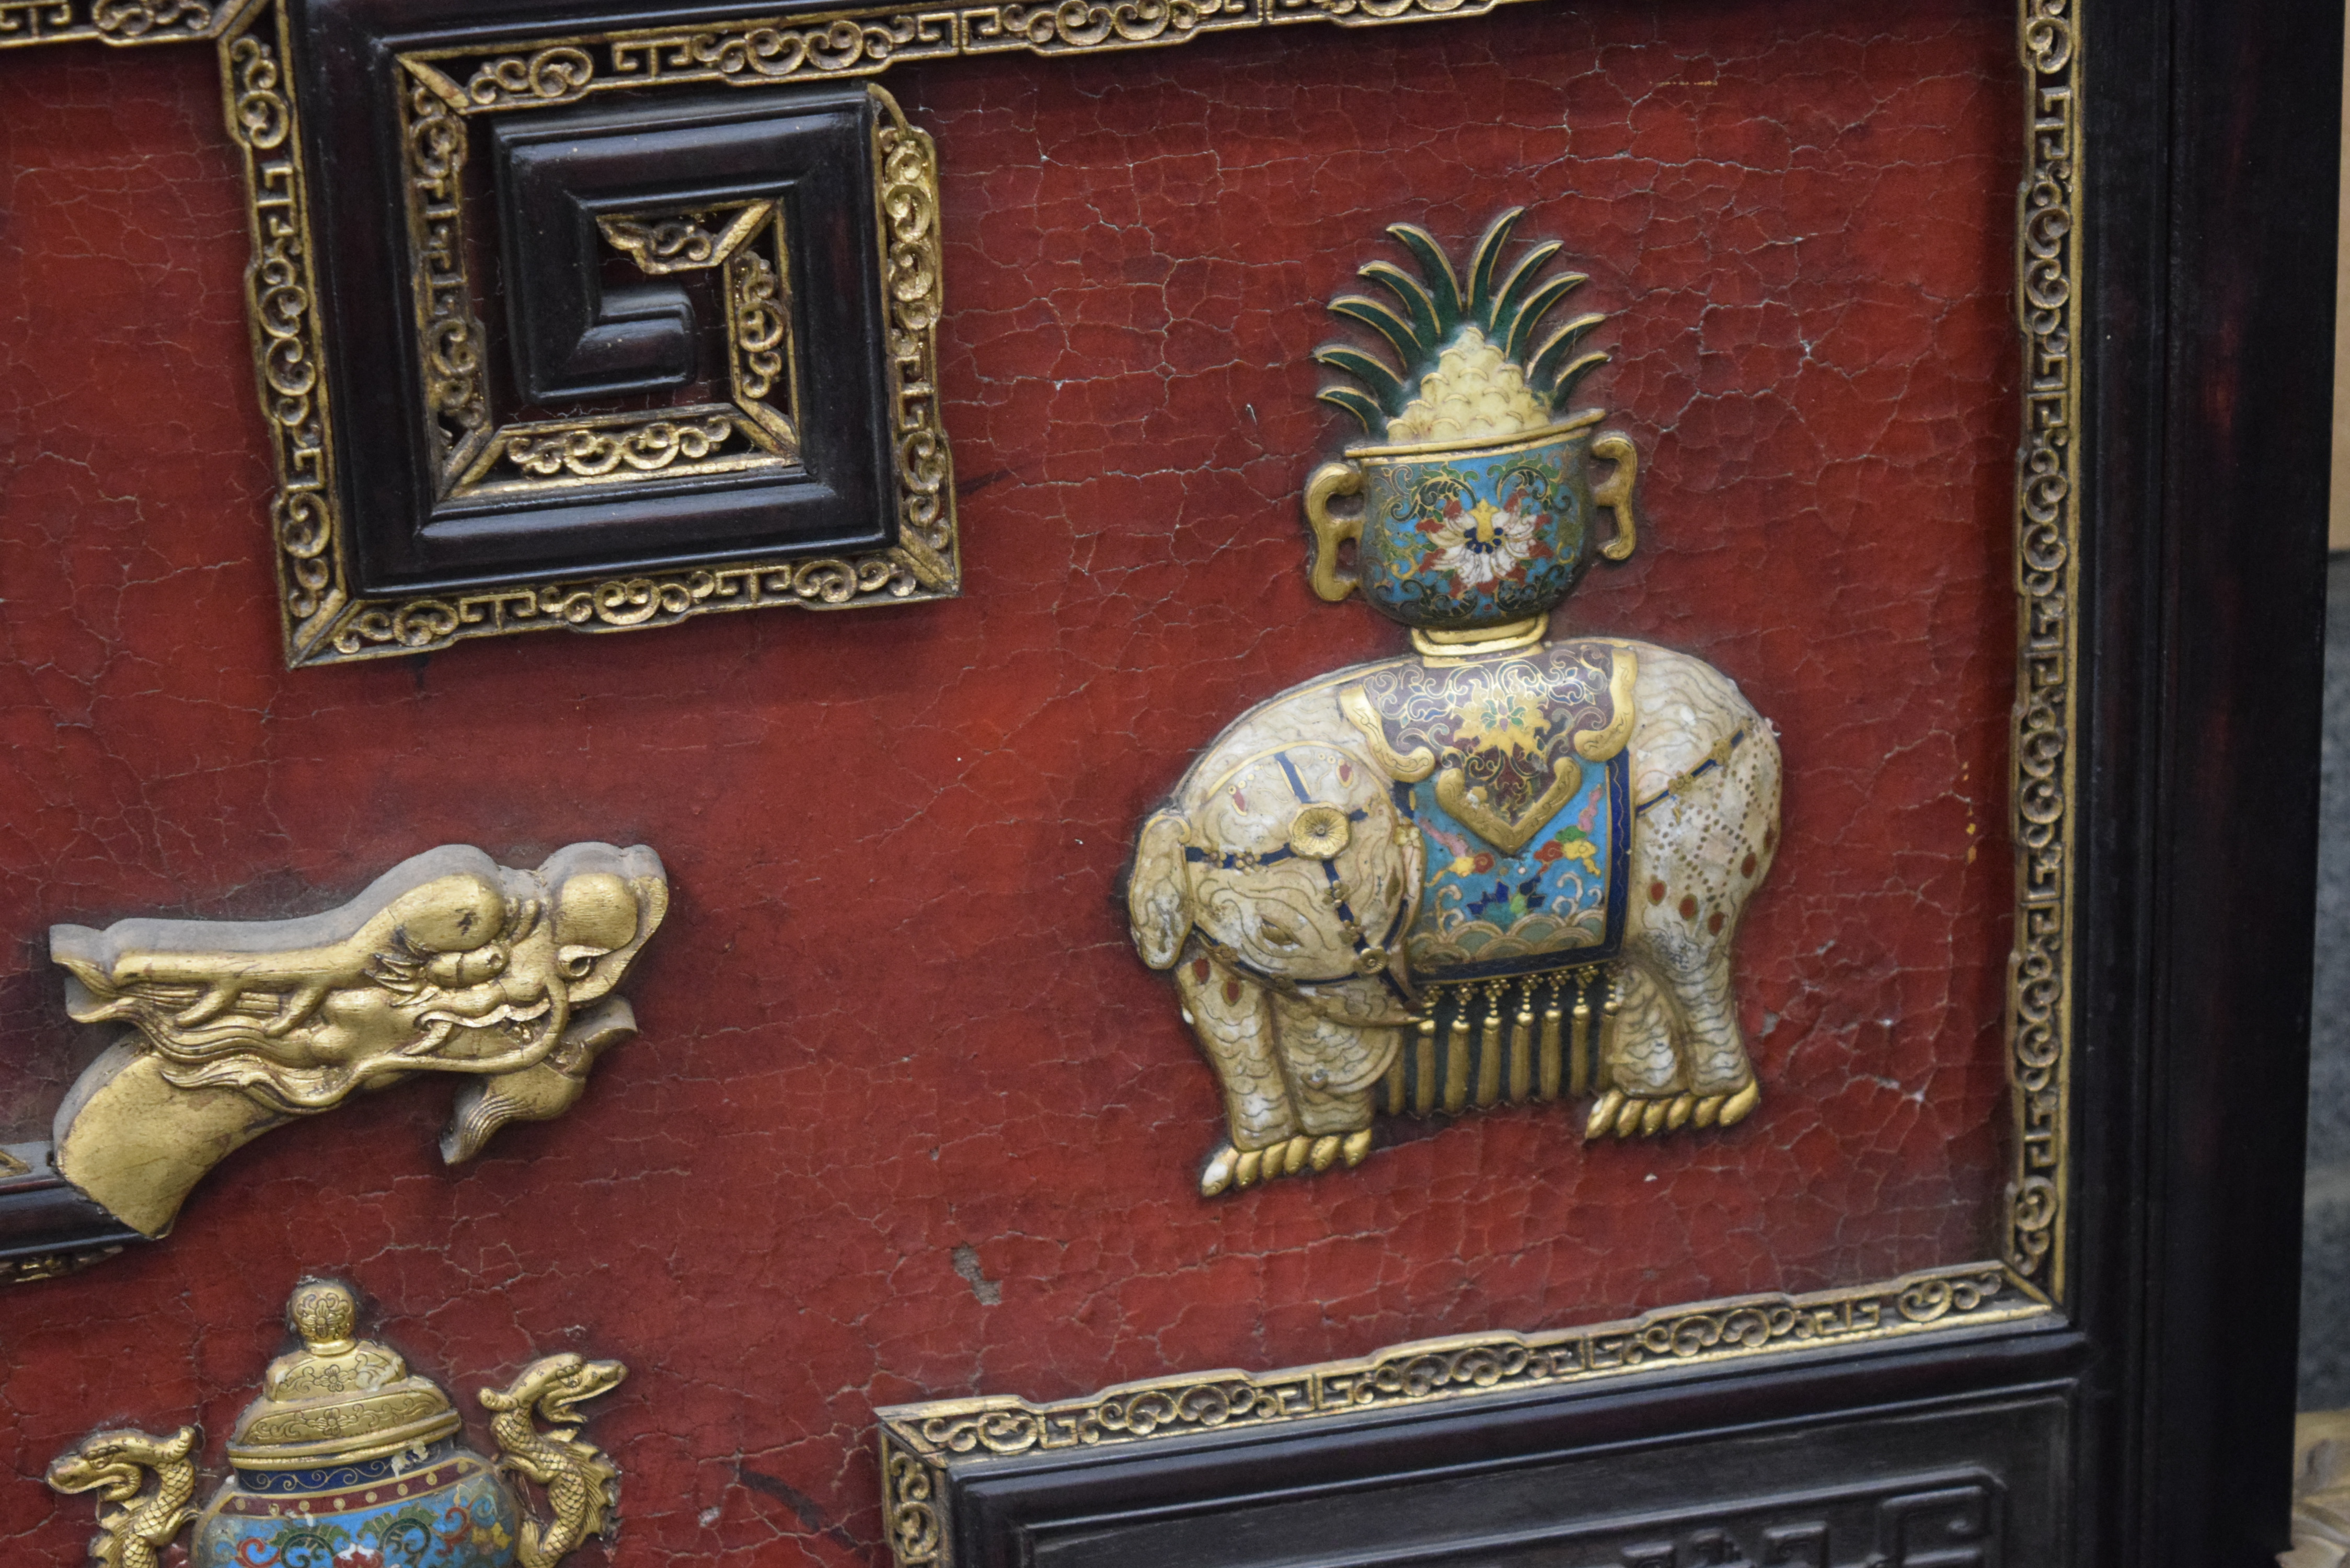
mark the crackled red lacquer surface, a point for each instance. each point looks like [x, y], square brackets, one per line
[908, 1118]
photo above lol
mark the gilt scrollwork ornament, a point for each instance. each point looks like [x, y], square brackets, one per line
[117, 22]
[448, 963]
[347, 1456]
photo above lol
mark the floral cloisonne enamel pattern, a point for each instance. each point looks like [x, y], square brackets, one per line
[1476, 538]
[447, 1510]
[1525, 832]
[1486, 914]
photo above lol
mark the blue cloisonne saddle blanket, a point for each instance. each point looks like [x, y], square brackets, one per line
[1513, 767]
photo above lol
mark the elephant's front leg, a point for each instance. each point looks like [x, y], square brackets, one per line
[1334, 1064]
[1232, 1017]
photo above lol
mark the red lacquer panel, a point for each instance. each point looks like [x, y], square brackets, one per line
[907, 1118]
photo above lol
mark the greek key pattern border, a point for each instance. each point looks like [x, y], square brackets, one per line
[922, 1444]
[2046, 727]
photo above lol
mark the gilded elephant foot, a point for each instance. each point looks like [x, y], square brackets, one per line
[1649, 1116]
[1229, 1168]
[1728, 1110]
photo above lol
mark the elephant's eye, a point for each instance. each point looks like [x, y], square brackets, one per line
[1279, 935]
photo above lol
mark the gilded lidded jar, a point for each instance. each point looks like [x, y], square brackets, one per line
[347, 1460]
[1478, 511]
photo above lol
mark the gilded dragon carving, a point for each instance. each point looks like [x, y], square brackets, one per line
[117, 1465]
[449, 963]
[582, 1486]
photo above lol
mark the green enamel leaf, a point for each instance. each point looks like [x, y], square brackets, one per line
[1418, 308]
[1554, 351]
[1538, 304]
[1570, 375]
[1436, 267]
[1358, 403]
[1510, 303]
[1382, 320]
[1482, 259]
[1374, 373]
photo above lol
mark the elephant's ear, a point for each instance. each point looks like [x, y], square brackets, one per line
[1156, 901]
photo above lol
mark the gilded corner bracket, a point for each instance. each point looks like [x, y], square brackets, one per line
[2046, 742]
[922, 1444]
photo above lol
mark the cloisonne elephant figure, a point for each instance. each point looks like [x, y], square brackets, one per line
[1345, 858]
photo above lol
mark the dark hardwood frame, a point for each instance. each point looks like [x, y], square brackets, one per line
[2206, 387]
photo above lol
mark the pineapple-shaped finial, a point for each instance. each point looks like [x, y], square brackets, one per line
[1471, 366]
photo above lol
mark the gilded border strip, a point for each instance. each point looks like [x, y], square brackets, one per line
[2047, 564]
[863, 40]
[117, 22]
[922, 1443]
[281, 301]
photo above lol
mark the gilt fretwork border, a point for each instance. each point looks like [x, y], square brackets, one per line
[117, 22]
[2047, 576]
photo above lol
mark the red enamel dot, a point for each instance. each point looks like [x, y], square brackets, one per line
[1656, 892]
[1689, 906]
[1200, 971]
[1232, 991]
[1713, 922]
[1746, 866]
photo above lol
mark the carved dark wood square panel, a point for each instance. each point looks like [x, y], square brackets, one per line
[1677, 1477]
[597, 364]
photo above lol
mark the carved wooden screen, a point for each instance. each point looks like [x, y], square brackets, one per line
[342, 340]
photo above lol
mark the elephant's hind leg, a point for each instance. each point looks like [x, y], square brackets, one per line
[1674, 1057]
[1707, 846]
[1723, 833]
[1232, 1017]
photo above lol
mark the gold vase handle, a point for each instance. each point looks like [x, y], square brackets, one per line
[1330, 481]
[1616, 447]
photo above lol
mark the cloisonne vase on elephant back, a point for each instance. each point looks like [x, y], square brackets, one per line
[347, 1460]
[1506, 868]
[1477, 505]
